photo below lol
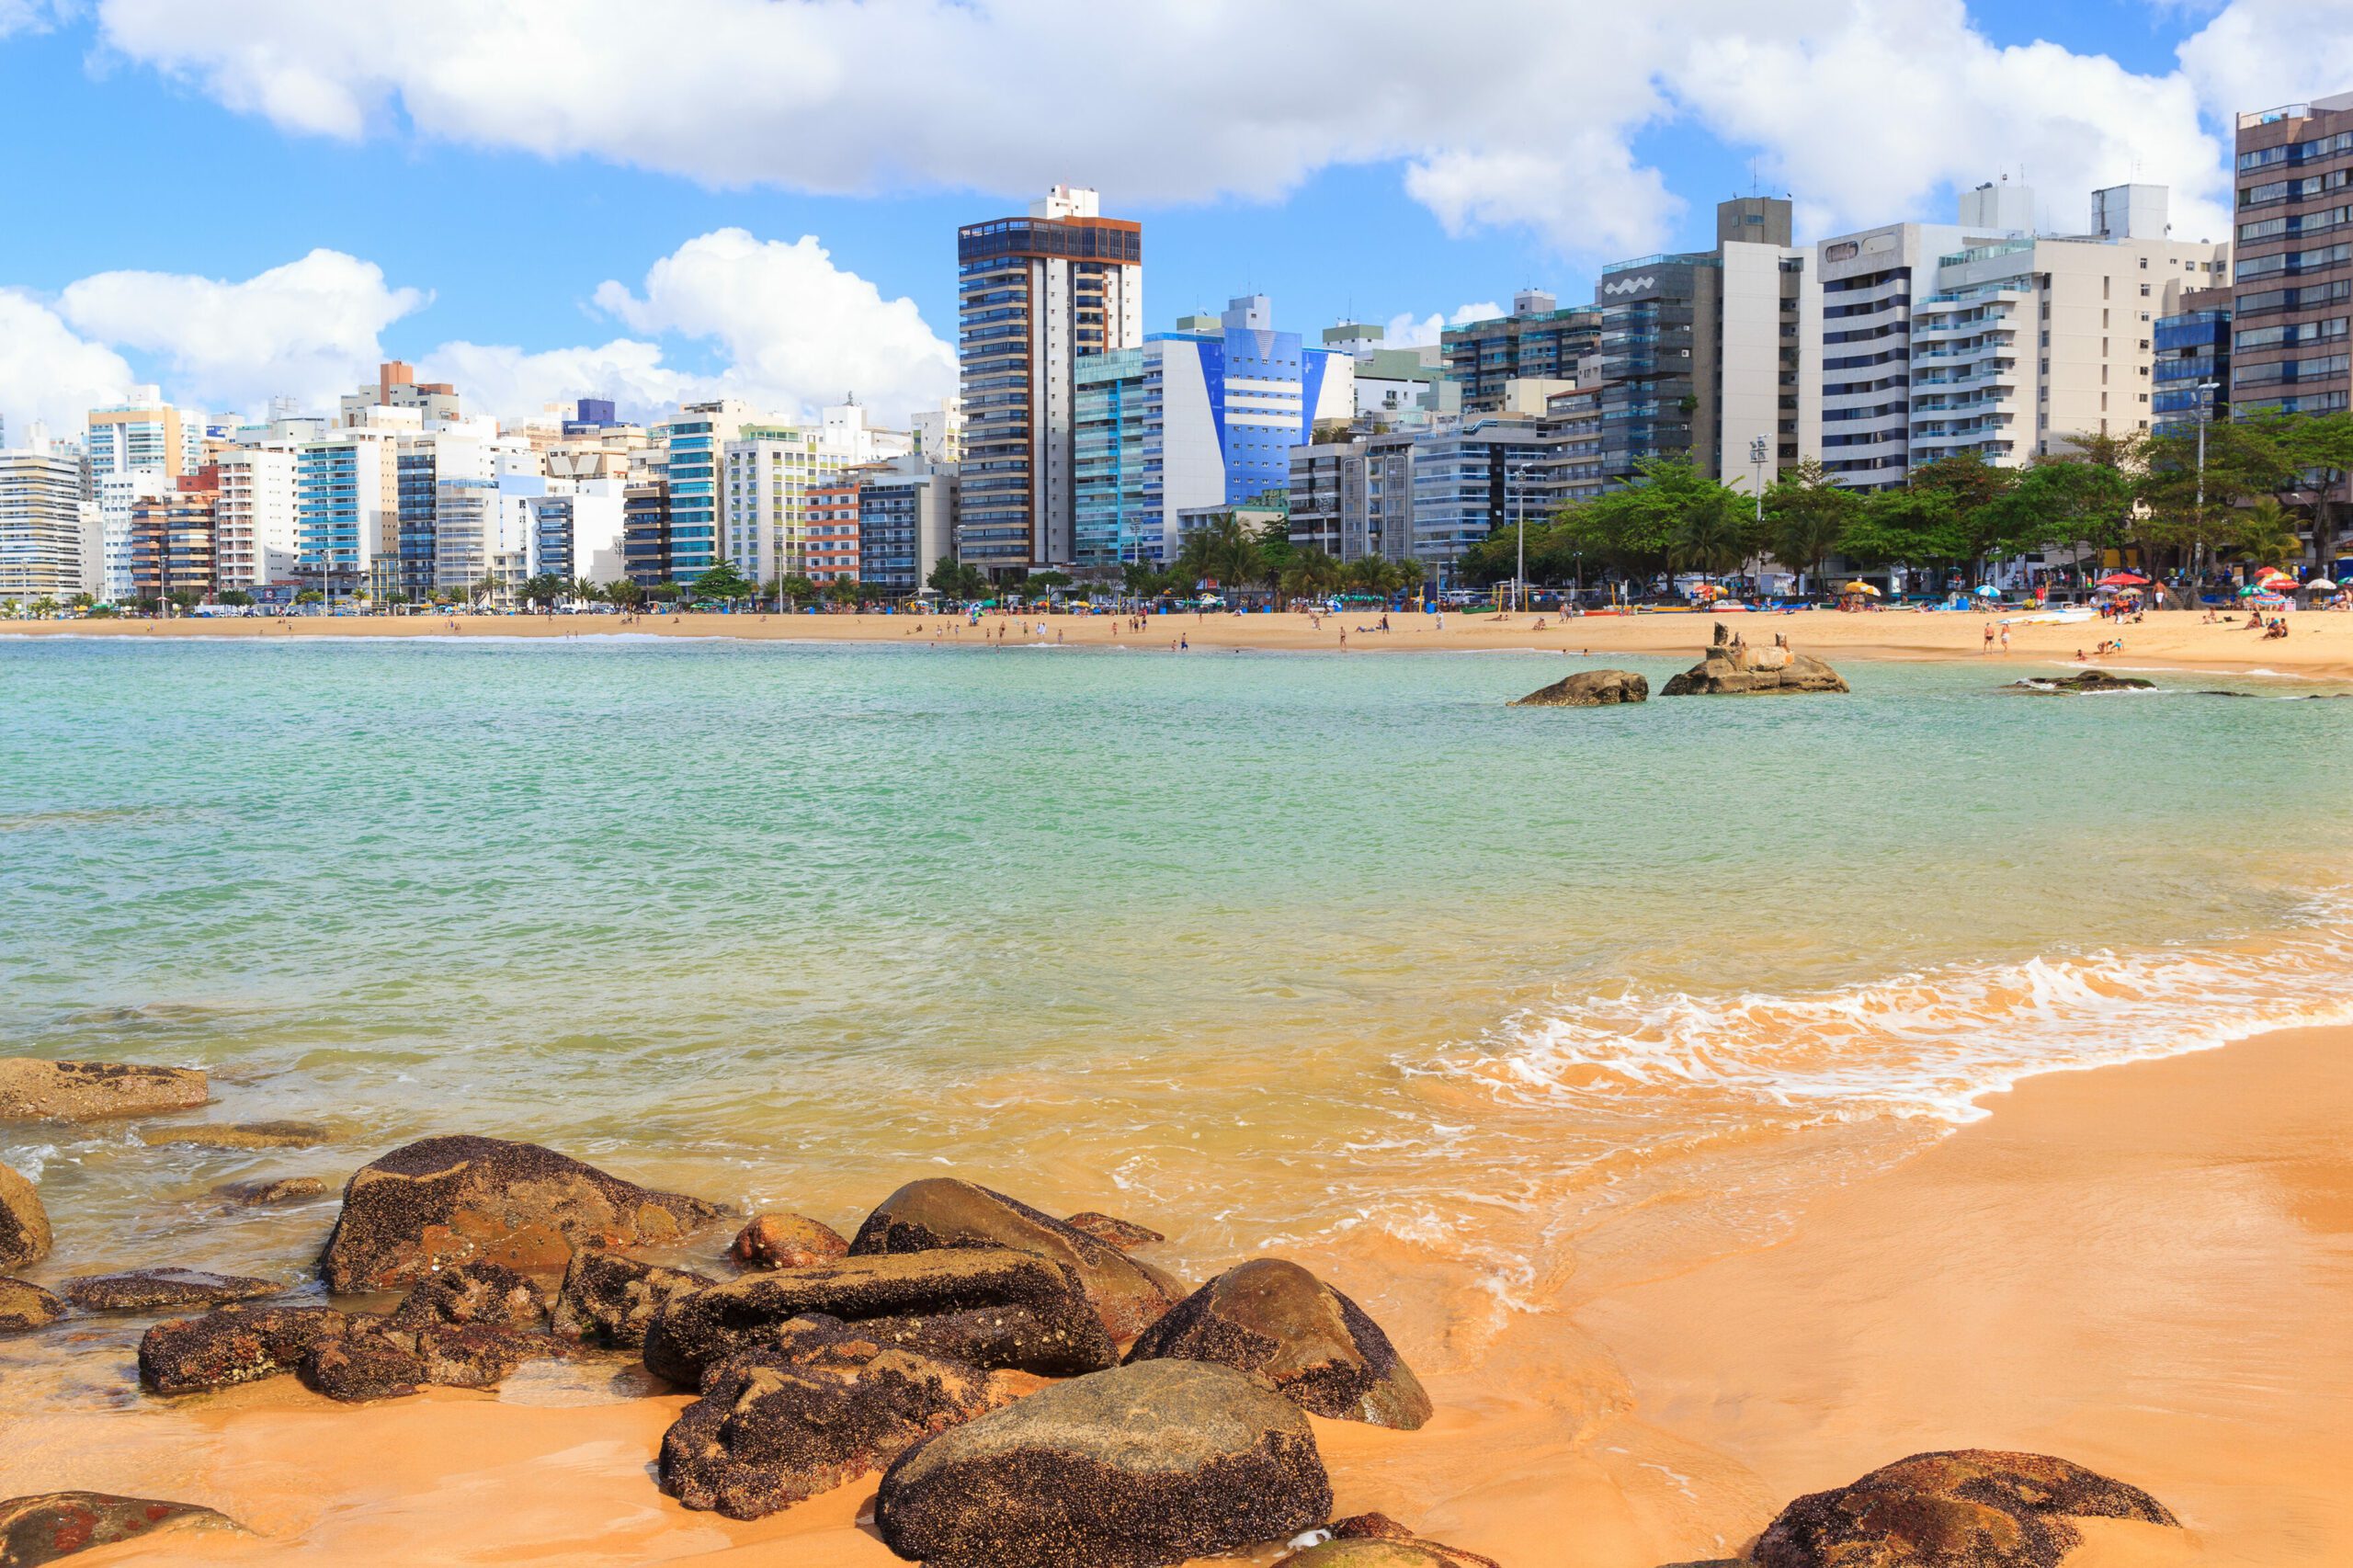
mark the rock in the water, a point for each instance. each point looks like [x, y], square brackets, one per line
[139, 1289]
[35, 1090]
[1590, 688]
[43, 1529]
[1376, 1541]
[785, 1241]
[238, 1135]
[444, 1201]
[1125, 1234]
[1965, 1508]
[473, 1293]
[269, 1191]
[1318, 1348]
[233, 1345]
[2087, 681]
[384, 1358]
[1728, 671]
[1145, 1465]
[775, 1427]
[24, 1223]
[25, 1306]
[1128, 1294]
[1039, 1319]
[608, 1300]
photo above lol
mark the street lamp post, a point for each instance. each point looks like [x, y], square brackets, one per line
[2205, 390]
[1757, 456]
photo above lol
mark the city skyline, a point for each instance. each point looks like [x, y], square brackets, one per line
[686, 276]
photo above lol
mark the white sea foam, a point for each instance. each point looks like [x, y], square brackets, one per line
[1927, 1045]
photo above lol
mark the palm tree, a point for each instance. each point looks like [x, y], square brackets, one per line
[44, 606]
[1312, 572]
[2266, 535]
[485, 587]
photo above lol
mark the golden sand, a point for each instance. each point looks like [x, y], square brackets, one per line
[2147, 1269]
[2320, 642]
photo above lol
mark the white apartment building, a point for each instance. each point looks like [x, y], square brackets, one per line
[144, 433]
[574, 531]
[47, 546]
[347, 511]
[769, 472]
[938, 433]
[118, 493]
[1985, 337]
[254, 535]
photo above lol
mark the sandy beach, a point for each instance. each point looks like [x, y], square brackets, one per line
[2320, 642]
[2144, 1269]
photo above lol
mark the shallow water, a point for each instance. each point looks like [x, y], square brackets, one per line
[1335, 954]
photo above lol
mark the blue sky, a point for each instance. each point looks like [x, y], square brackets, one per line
[146, 143]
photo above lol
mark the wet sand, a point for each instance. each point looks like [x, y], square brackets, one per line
[2146, 1269]
[2320, 642]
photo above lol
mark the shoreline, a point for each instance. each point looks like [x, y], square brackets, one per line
[2320, 643]
[2191, 1216]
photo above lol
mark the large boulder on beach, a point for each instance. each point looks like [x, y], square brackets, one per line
[1148, 1464]
[233, 1345]
[24, 1223]
[785, 1241]
[25, 1306]
[143, 1289]
[1964, 1508]
[52, 1525]
[454, 1199]
[776, 1426]
[383, 1358]
[610, 1300]
[1319, 1349]
[473, 1293]
[1590, 688]
[940, 1212]
[1729, 671]
[32, 1089]
[991, 1307]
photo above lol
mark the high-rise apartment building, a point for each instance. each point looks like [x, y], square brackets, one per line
[255, 534]
[119, 494]
[2192, 373]
[696, 441]
[173, 541]
[346, 512]
[1539, 341]
[143, 433]
[1716, 354]
[771, 471]
[1035, 296]
[1193, 419]
[575, 531]
[906, 522]
[832, 552]
[645, 532]
[48, 547]
[2293, 285]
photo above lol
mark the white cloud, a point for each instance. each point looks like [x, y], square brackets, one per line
[32, 15]
[795, 329]
[1501, 112]
[2260, 54]
[790, 332]
[310, 329]
[47, 372]
[1405, 332]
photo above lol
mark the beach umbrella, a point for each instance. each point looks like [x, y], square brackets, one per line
[1988, 591]
[1860, 587]
[2123, 580]
[2321, 585]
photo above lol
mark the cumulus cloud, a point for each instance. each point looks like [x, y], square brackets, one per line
[50, 373]
[2259, 54]
[310, 329]
[795, 329]
[786, 330]
[1405, 332]
[1514, 112]
[32, 15]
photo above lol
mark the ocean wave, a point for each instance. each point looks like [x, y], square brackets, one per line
[1927, 1045]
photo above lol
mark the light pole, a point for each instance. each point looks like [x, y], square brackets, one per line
[1519, 515]
[2205, 390]
[1757, 456]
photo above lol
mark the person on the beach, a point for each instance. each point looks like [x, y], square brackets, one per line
[1987, 646]
[2005, 639]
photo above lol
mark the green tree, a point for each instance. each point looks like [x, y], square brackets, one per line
[82, 603]
[844, 590]
[724, 584]
[1311, 574]
[485, 587]
[236, 598]
[584, 591]
[2263, 533]
[1807, 514]
[2320, 445]
[1224, 552]
[797, 588]
[188, 598]
[44, 606]
[544, 590]
[309, 597]
[624, 593]
[1050, 581]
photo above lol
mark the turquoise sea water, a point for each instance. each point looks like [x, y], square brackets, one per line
[1270, 950]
